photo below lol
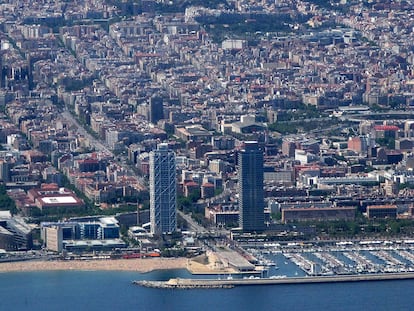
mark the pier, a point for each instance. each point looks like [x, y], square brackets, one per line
[178, 283]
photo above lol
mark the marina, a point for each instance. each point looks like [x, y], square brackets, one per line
[308, 263]
[342, 258]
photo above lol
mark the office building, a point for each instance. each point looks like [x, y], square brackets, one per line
[15, 233]
[382, 211]
[58, 235]
[250, 184]
[156, 109]
[163, 190]
[313, 213]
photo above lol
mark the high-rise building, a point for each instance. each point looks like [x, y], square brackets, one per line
[5, 167]
[250, 184]
[156, 109]
[163, 190]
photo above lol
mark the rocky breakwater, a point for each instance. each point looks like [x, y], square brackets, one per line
[178, 283]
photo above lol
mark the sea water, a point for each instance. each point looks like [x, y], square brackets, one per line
[103, 290]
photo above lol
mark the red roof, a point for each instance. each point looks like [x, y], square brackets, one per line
[191, 184]
[208, 185]
[386, 128]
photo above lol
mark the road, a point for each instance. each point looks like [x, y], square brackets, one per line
[99, 146]
[194, 226]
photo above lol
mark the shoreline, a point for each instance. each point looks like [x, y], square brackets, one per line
[133, 265]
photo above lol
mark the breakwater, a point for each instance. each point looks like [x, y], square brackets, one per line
[178, 283]
[184, 284]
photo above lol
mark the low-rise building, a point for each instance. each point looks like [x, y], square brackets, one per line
[318, 214]
[15, 234]
[382, 211]
[58, 236]
[52, 198]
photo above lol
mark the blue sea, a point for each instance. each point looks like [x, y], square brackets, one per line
[102, 290]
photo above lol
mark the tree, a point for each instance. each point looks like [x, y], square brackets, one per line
[183, 203]
[6, 203]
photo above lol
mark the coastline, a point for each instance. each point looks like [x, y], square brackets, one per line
[133, 265]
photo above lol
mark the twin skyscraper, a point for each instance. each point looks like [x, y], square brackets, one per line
[163, 189]
[250, 187]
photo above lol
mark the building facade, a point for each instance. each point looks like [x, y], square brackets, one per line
[250, 184]
[312, 213]
[156, 109]
[58, 235]
[163, 190]
[382, 211]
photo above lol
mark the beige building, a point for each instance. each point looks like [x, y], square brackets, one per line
[54, 238]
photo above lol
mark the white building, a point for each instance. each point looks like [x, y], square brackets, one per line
[305, 157]
[233, 44]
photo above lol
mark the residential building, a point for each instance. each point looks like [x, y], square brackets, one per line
[313, 213]
[382, 211]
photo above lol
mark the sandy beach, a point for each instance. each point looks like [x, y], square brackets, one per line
[138, 265]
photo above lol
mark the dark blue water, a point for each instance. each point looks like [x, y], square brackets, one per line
[72, 290]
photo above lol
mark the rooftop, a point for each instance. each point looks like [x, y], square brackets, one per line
[59, 200]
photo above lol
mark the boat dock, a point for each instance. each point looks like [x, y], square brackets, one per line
[178, 283]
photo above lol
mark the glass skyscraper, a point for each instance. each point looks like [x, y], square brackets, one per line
[250, 185]
[163, 190]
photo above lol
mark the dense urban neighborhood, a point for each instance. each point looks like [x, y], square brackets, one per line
[168, 128]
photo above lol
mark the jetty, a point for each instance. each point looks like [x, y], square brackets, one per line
[184, 284]
[179, 283]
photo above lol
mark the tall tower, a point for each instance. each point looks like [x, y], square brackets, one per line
[250, 184]
[156, 109]
[163, 190]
